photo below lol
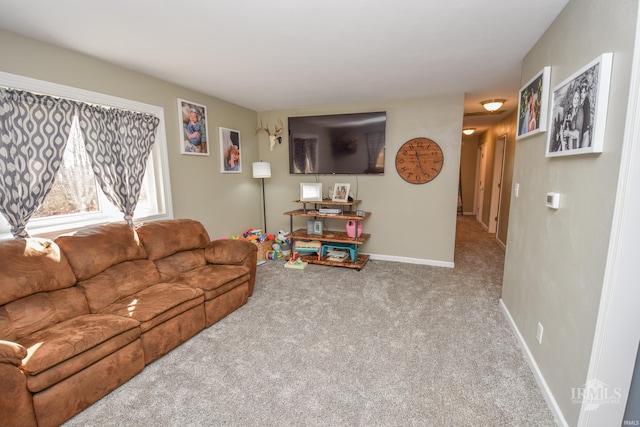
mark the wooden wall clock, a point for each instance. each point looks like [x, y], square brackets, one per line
[419, 160]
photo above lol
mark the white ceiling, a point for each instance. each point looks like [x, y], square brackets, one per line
[282, 54]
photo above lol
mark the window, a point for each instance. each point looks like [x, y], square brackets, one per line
[76, 200]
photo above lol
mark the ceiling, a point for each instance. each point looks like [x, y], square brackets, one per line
[287, 54]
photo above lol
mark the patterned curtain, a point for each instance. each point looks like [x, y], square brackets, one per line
[118, 143]
[33, 134]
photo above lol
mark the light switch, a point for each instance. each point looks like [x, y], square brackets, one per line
[516, 190]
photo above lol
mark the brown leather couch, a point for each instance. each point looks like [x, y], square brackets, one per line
[84, 313]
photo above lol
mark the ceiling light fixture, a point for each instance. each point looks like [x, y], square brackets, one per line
[468, 131]
[493, 105]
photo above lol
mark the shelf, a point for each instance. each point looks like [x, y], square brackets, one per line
[330, 202]
[344, 206]
[329, 236]
[315, 214]
[347, 263]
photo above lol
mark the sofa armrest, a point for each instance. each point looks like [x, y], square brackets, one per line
[233, 252]
[16, 406]
[12, 353]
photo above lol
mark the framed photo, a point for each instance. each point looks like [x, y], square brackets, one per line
[310, 192]
[192, 122]
[230, 158]
[341, 192]
[532, 105]
[579, 110]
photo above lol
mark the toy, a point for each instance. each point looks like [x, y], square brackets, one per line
[307, 247]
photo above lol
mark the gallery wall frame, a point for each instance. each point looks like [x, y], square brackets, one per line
[533, 101]
[579, 110]
[230, 151]
[192, 123]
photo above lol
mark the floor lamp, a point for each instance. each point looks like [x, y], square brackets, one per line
[262, 170]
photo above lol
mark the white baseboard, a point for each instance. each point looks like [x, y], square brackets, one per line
[407, 260]
[544, 388]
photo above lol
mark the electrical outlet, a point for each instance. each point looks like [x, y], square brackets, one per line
[539, 333]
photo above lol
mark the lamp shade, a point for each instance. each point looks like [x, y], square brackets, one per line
[261, 170]
[492, 105]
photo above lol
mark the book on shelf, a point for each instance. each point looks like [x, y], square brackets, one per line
[337, 255]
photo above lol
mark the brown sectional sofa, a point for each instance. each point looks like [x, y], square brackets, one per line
[84, 313]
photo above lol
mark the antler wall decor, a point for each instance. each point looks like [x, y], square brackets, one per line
[275, 136]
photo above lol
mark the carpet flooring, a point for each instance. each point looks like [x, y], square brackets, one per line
[391, 345]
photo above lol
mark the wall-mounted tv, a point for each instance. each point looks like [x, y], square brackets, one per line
[337, 144]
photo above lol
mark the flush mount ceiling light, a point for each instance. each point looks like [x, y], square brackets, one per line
[493, 105]
[468, 131]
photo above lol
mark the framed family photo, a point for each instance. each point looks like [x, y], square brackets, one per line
[192, 122]
[579, 110]
[230, 159]
[533, 100]
[341, 192]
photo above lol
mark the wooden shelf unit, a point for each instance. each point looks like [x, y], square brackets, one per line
[331, 236]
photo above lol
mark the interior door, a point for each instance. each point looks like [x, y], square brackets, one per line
[496, 189]
[482, 167]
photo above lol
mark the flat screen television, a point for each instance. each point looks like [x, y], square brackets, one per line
[337, 144]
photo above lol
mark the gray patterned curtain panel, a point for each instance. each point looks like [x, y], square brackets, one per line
[118, 143]
[33, 134]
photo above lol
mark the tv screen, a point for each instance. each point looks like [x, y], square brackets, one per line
[337, 144]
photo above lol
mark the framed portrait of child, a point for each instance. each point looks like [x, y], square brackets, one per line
[230, 154]
[192, 122]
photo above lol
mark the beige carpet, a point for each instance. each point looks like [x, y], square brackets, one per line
[392, 345]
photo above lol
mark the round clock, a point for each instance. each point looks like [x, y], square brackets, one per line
[419, 160]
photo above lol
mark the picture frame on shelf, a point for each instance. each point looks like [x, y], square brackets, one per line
[230, 154]
[579, 110]
[192, 122]
[310, 192]
[340, 192]
[533, 101]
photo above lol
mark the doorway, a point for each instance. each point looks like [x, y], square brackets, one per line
[481, 166]
[496, 188]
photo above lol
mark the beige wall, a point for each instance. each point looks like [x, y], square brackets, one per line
[414, 223]
[226, 204]
[408, 222]
[555, 260]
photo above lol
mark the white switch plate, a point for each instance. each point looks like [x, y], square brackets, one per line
[553, 200]
[516, 190]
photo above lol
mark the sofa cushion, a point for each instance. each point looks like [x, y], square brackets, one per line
[93, 250]
[117, 282]
[215, 279]
[68, 340]
[164, 238]
[178, 263]
[230, 251]
[156, 304]
[28, 315]
[28, 266]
